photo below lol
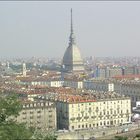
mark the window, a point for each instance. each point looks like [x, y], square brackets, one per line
[50, 121]
[24, 112]
[127, 111]
[118, 121]
[89, 108]
[78, 126]
[39, 116]
[31, 112]
[24, 118]
[38, 111]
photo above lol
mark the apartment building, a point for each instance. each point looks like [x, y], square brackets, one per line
[73, 83]
[94, 110]
[99, 85]
[129, 88]
[40, 115]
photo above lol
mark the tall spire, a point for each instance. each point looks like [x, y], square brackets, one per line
[71, 22]
[72, 37]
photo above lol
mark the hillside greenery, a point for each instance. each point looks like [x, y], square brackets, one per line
[10, 106]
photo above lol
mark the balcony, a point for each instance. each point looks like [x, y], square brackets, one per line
[72, 119]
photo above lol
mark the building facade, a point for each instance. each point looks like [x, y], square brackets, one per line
[40, 115]
[78, 84]
[98, 85]
[129, 88]
[80, 114]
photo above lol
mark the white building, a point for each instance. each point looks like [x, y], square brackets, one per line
[73, 84]
[98, 85]
[24, 69]
[77, 112]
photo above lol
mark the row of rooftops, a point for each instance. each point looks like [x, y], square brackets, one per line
[45, 79]
[81, 97]
[57, 77]
[39, 89]
[71, 95]
[123, 81]
[85, 96]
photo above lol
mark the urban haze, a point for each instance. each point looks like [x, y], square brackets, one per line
[69, 70]
[42, 28]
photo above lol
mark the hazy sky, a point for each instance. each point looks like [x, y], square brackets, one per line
[42, 28]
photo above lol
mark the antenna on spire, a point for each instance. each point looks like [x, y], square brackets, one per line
[72, 37]
[71, 22]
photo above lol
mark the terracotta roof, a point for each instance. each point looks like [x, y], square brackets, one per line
[130, 76]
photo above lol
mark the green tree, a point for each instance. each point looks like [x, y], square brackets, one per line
[44, 136]
[50, 137]
[120, 138]
[9, 128]
[10, 106]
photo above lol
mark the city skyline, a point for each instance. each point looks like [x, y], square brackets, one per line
[42, 28]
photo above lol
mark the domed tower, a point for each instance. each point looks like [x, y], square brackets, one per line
[72, 60]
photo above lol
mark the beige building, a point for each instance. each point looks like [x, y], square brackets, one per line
[78, 84]
[99, 85]
[79, 112]
[129, 88]
[41, 115]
